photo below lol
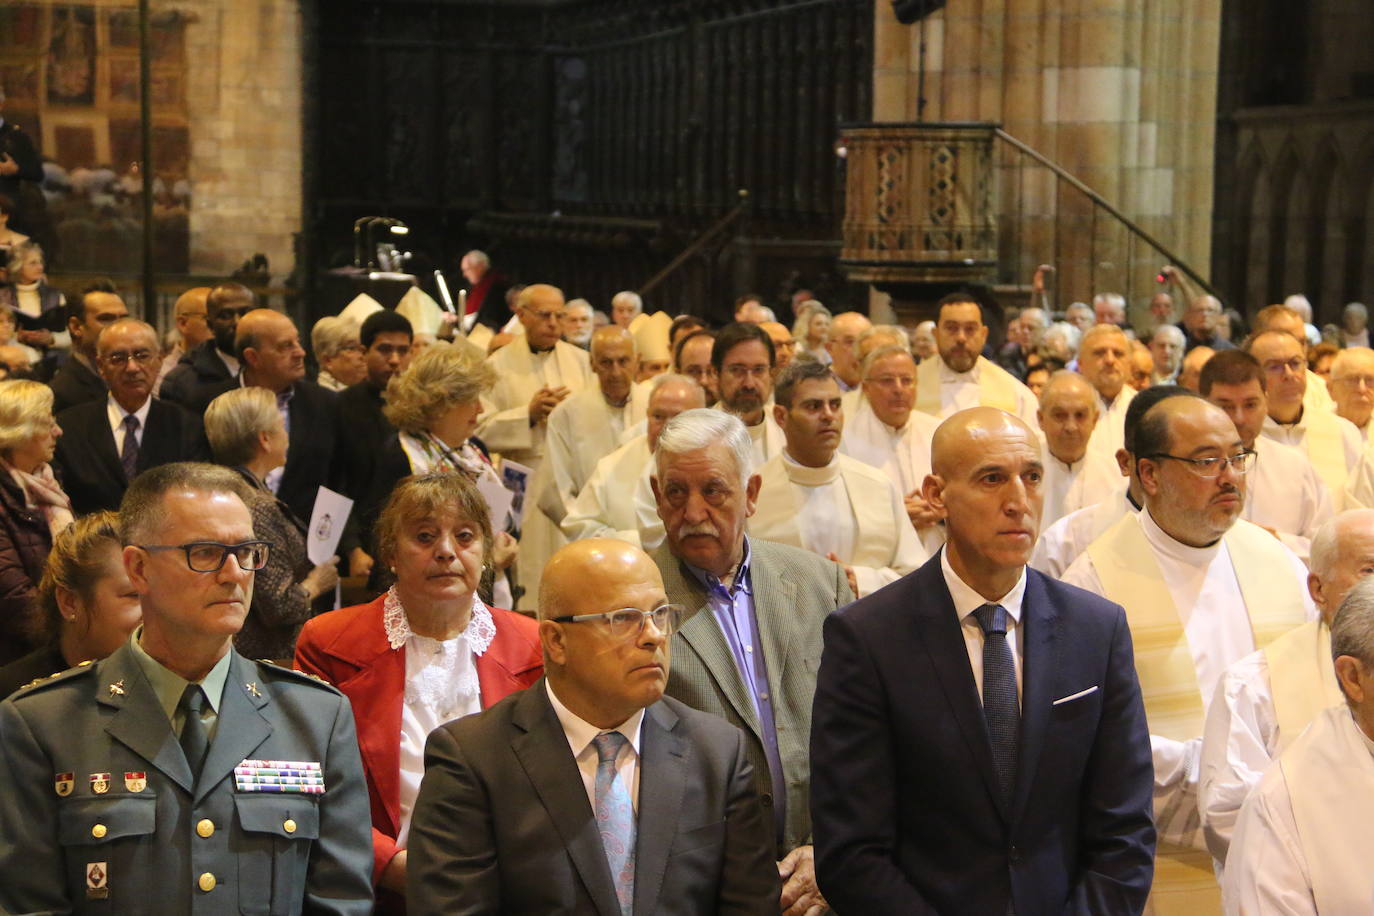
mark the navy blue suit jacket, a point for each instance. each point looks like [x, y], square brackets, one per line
[905, 811]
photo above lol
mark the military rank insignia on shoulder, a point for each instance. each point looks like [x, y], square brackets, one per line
[304, 676]
[83, 668]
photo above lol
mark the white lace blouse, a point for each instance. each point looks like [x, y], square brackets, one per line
[441, 685]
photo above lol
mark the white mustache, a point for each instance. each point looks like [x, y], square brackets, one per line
[705, 528]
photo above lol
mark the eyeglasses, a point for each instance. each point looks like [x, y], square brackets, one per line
[120, 358]
[1296, 365]
[209, 556]
[894, 381]
[1241, 463]
[629, 622]
[545, 316]
[1355, 381]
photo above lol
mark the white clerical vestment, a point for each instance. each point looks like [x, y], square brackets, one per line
[1263, 703]
[1301, 843]
[1109, 435]
[941, 392]
[505, 424]
[902, 454]
[1062, 543]
[767, 437]
[1193, 612]
[846, 508]
[1069, 487]
[1285, 492]
[606, 506]
[1332, 444]
[582, 430]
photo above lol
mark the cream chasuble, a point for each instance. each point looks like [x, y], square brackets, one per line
[1180, 654]
[606, 506]
[582, 430]
[505, 423]
[1301, 678]
[1332, 444]
[941, 392]
[847, 508]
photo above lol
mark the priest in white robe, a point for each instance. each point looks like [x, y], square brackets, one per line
[1332, 444]
[535, 372]
[1301, 844]
[885, 431]
[1266, 699]
[1284, 494]
[835, 506]
[1075, 476]
[1201, 589]
[744, 360]
[606, 505]
[1352, 387]
[1284, 320]
[960, 377]
[589, 425]
[1063, 542]
[1104, 359]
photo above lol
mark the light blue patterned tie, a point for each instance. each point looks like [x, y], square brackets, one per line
[1000, 708]
[615, 818]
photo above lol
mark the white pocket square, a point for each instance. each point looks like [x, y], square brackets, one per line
[1075, 696]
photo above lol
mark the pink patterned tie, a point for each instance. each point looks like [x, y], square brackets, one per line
[615, 818]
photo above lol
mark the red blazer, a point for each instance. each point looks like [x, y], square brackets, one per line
[349, 649]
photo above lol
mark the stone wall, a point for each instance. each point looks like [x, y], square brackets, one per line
[244, 104]
[1121, 93]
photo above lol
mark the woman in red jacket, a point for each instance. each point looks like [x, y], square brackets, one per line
[427, 651]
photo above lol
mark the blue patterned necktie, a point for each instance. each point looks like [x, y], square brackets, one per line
[615, 818]
[128, 456]
[1000, 708]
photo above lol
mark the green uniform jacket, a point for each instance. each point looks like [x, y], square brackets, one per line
[151, 841]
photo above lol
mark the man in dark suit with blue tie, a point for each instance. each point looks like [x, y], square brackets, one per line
[978, 739]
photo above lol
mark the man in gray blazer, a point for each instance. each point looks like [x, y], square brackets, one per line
[176, 776]
[750, 642]
[590, 792]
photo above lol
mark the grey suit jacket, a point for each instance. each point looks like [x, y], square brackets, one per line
[503, 825]
[157, 842]
[794, 591]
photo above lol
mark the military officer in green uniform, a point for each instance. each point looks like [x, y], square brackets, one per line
[176, 776]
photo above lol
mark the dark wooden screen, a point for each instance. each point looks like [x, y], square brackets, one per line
[587, 142]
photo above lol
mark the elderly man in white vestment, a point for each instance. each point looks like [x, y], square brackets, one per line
[1202, 589]
[961, 377]
[845, 329]
[830, 504]
[1104, 359]
[1166, 352]
[589, 425]
[1075, 475]
[1267, 698]
[1285, 320]
[876, 337]
[1283, 494]
[886, 432]
[744, 361]
[1332, 444]
[1064, 541]
[609, 503]
[1352, 385]
[1301, 845]
[534, 373]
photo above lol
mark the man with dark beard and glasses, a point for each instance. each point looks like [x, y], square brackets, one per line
[744, 359]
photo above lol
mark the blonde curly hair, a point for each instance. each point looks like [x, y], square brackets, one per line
[438, 380]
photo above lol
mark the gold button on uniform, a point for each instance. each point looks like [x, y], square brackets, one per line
[207, 882]
[289, 825]
[98, 831]
[205, 827]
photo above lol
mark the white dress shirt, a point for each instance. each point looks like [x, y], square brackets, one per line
[966, 601]
[116, 415]
[580, 734]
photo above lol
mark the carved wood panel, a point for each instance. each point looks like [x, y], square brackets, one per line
[451, 113]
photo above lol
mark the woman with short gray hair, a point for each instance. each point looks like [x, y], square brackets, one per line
[338, 351]
[247, 434]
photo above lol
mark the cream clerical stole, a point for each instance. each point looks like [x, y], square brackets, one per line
[1174, 707]
[1302, 679]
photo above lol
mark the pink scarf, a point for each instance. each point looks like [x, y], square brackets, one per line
[44, 493]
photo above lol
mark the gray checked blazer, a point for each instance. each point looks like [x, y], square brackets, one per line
[794, 591]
